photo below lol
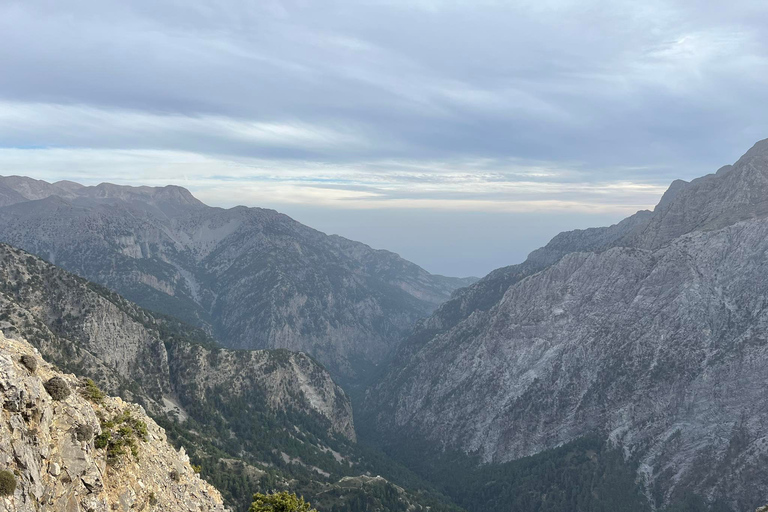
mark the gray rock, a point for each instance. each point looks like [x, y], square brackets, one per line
[651, 332]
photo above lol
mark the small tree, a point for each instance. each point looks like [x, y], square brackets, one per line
[279, 502]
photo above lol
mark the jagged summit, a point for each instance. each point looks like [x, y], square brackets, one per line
[759, 150]
[733, 194]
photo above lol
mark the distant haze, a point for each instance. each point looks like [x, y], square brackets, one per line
[459, 134]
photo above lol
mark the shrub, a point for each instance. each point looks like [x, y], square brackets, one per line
[152, 498]
[102, 440]
[84, 433]
[7, 483]
[29, 362]
[57, 388]
[120, 432]
[91, 391]
[279, 502]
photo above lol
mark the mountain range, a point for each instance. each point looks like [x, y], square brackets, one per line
[252, 420]
[617, 368]
[253, 278]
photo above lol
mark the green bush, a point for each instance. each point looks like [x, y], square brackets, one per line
[279, 502]
[57, 388]
[7, 483]
[102, 440]
[91, 391]
[120, 432]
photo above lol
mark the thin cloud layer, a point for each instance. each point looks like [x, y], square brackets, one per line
[485, 106]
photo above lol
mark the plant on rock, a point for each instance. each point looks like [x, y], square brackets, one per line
[119, 433]
[279, 502]
[91, 391]
[29, 362]
[57, 388]
[7, 483]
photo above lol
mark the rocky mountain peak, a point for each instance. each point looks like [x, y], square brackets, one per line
[759, 150]
[734, 193]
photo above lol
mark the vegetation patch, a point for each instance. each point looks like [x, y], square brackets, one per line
[90, 391]
[7, 483]
[279, 502]
[119, 434]
[29, 362]
[57, 388]
[84, 433]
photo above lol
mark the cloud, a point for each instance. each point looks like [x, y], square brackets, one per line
[489, 105]
[85, 126]
[478, 186]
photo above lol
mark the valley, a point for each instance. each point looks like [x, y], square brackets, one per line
[616, 368]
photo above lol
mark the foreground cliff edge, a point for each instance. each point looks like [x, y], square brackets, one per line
[85, 454]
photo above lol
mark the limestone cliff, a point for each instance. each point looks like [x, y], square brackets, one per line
[71, 453]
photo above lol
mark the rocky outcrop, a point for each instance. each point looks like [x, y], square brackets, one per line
[650, 332]
[284, 379]
[254, 278]
[57, 452]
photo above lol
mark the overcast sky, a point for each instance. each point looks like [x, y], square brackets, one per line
[460, 134]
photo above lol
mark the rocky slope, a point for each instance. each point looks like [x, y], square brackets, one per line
[650, 332]
[54, 448]
[254, 421]
[255, 278]
[132, 352]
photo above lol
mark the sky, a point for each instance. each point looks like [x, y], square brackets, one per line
[460, 134]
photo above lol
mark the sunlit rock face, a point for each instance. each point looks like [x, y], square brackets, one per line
[652, 332]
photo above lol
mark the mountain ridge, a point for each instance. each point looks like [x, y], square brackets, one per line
[254, 278]
[647, 332]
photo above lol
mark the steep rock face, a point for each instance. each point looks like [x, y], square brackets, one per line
[51, 447]
[255, 278]
[651, 332]
[283, 378]
[131, 352]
